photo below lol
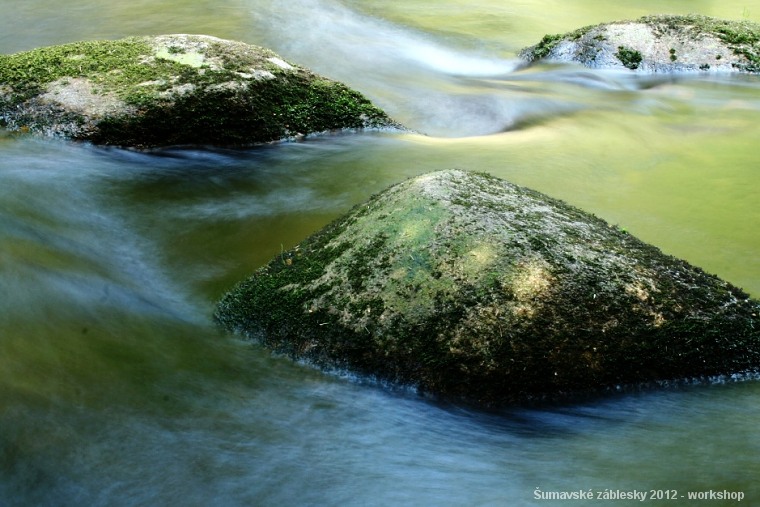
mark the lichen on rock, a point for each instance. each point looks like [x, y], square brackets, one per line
[665, 43]
[173, 89]
[472, 288]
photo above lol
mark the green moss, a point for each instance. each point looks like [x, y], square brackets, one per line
[629, 57]
[548, 42]
[267, 110]
[28, 73]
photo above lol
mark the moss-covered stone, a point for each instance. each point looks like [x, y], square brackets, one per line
[173, 89]
[472, 288]
[658, 44]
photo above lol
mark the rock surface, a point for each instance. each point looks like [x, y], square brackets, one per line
[173, 89]
[658, 44]
[471, 288]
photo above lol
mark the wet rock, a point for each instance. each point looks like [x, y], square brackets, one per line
[472, 288]
[173, 89]
[657, 44]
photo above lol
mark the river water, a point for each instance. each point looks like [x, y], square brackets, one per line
[117, 389]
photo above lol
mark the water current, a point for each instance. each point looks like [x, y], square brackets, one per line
[117, 389]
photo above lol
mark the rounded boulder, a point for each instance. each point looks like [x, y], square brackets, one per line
[472, 288]
[171, 90]
[665, 43]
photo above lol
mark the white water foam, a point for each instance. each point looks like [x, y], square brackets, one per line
[425, 84]
[346, 37]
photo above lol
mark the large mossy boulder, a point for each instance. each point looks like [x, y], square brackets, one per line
[472, 288]
[657, 44]
[173, 89]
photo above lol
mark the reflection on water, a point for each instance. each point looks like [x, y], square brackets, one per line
[27, 25]
[117, 389]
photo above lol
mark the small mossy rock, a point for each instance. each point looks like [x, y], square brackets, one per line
[658, 44]
[475, 289]
[173, 89]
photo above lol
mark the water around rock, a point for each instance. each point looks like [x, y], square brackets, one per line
[173, 89]
[472, 288]
[662, 43]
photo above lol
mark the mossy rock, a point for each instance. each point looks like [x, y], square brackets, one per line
[690, 43]
[173, 89]
[472, 288]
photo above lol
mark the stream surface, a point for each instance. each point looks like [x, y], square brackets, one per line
[117, 389]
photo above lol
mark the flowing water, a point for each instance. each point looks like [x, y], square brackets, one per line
[117, 389]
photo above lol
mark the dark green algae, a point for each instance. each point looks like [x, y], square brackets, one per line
[414, 313]
[293, 102]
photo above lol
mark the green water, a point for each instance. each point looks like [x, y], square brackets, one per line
[117, 389]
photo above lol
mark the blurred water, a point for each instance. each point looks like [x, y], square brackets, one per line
[117, 389]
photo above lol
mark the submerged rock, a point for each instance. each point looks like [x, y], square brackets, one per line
[657, 44]
[173, 89]
[472, 288]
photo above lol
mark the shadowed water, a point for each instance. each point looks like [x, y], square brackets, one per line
[116, 388]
